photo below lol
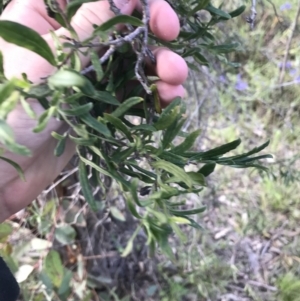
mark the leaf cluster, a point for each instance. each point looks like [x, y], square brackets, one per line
[117, 136]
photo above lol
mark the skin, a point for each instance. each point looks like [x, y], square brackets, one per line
[43, 167]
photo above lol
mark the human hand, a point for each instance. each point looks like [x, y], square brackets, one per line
[42, 167]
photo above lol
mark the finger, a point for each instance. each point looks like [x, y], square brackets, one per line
[164, 22]
[31, 13]
[168, 93]
[170, 67]
[97, 13]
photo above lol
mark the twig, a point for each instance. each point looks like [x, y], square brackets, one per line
[109, 254]
[252, 17]
[262, 285]
[275, 11]
[138, 36]
[274, 237]
[288, 45]
[142, 53]
[68, 174]
[114, 8]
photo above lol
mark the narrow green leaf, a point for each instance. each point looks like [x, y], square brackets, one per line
[120, 19]
[111, 172]
[74, 98]
[132, 208]
[73, 7]
[27, 108]
[8, 140]
[43, 119]
[175, 204]
[60, 147]
[197, 178]
[6, 90]
[137, 167]
[133, 189]
[67, 78]
[96, 125]
[162, 240]
[198, 7]
[85, 186]
[119, 125]
[16, 167]
[77, 110]
[167, 120]
[237, 11]
[144, 127]
[26, 37]
[126, 105]
[39, 91]
[207, 169]
[1, 6]
[187, 143]
[218, 151]
[119, 156]
[251, 159]
[225, 48]
[81, 130]
[93, 165]
[1, 66]
[246, 155]
[256, 149]
[201, 59]
[57, 136]
[171, 132]
[161, 217]
[116, 213]
[97, 66]
[175, 170]
[215, 11]
[194, 224]
[128, 248]
[173, 158]
[105, 97]
[84, 141]
[179, 220]
[138, 175]
[187, 212]
[169, 110]
[166, 194]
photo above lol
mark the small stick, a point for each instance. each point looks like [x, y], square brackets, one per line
[288, 45]
[252, 17]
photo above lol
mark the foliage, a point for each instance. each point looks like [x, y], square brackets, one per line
[159, 213]
[107, 141]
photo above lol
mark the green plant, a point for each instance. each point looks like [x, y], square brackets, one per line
[107, 140]
[289, 287]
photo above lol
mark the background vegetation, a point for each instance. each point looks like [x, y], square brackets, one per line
[249, 246]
